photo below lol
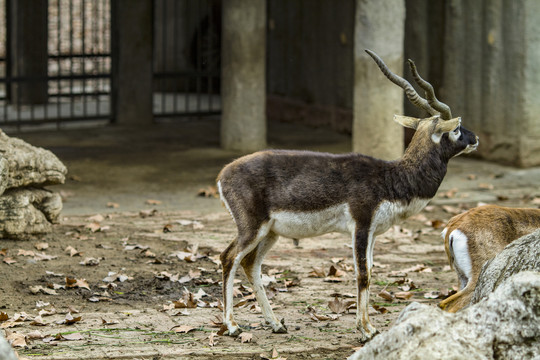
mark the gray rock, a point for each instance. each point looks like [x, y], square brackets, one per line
[6, 352]
[522, 254]
[22, 164]
[26, 209]
[503, 326]
[28, 212]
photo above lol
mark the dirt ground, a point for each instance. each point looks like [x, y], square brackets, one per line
[149, 283]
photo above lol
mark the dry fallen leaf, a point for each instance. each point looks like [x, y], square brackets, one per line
[380, 309]
[39, 288]
[147, 213]
[437, 224]
[41, 246]
[386, 295]
[23, 252]
[38, 321]
[113, 205]
[415, 268]
[36, 334]
[3, 316]
[338, 306]
[187, 301]
[212, 339]
[209, 191]
[3, 252]
[403, 295]
[9, 260]
[90, 261]
[43, 257]
[245, 337]
[451, 209]
[71, 337]
[320, 317]
[449, 194]
[167, 228]
[69, 320]
[72, 251]
[432, 295]
[76, 283]
[274, 355]
[16, 339]
[317, 272]
[183, 329]
[486, 186]
[333, 271]
[93, 227]
[106, 322]
[96, 218]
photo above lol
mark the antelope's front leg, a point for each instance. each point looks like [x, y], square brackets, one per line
[362, 247]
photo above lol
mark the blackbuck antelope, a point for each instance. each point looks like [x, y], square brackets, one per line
[299, 194]
[478, 235]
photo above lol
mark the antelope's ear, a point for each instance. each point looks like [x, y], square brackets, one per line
[407, 121]
[444, 126]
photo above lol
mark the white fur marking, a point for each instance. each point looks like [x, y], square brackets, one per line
[460, 253]
[454, 135]
[302, 224]
[224, 200]
[436, 138]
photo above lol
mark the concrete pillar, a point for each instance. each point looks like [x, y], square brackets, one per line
[243, 83]
[491, 75]
[28, 51]
[132, 61]
[529, 154]
[379, 26]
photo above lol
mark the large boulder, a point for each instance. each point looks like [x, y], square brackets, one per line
[503, 326]
[22, 164]
[6, 352]
[28, 212]
[26, 208]
[522, 254]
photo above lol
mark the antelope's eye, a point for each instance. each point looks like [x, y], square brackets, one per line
[456, 130]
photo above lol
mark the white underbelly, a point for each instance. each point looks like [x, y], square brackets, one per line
[302, 224]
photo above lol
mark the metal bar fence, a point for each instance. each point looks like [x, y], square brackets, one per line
[187, 86]
[77, 63]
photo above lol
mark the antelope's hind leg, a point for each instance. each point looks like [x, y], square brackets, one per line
[246, 242]
[459, 300]
[252, 267]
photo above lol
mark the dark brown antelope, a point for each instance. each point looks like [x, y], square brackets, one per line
[478, 235]
[299, 194]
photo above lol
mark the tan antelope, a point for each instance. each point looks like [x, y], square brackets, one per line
[478, 235]
[299, 194]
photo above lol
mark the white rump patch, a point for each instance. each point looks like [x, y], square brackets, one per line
[302, 224]
[462, 259]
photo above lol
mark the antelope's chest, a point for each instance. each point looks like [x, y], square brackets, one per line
[390, 213]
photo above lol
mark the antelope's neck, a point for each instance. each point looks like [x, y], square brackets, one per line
[420, 175]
